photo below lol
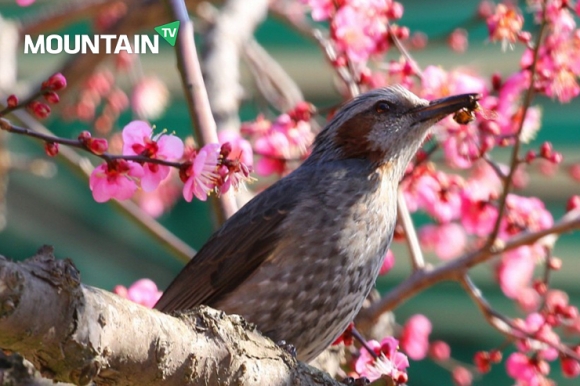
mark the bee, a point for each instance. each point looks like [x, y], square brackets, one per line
[464, 116]
[467, 114]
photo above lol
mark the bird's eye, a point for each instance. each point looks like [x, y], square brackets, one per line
[383, 107]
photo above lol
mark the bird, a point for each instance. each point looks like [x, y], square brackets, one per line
[299, 259]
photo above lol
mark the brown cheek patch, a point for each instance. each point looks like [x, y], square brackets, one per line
[352, 138]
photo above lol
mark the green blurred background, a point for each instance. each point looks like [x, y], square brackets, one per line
[109, 249]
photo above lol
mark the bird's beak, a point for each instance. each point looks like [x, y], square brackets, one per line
[439, 108]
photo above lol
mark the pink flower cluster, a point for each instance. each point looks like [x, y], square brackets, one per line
[358, 27]
[530, 365]
[415, 337]
[559, 56]
[118, 178]
[505, 24]
[390, 362]
[146, 163]
[215, 168]
[279, 143]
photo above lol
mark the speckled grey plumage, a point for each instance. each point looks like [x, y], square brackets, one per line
[299, 259]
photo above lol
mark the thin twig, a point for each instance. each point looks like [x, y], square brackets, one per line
[357, 335]
[417, 259]
[504, 324]
[495, 167]
[6, 125]
[79, 165]
[416, 69]
[422, 279]
[343, 71]
[507, 183]
[196, 95]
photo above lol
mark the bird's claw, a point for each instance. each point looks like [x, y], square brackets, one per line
[288, 347]
[350, 381]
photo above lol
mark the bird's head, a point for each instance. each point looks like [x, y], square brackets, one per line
[385, 126]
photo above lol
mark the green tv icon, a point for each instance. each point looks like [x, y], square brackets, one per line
[168, 32]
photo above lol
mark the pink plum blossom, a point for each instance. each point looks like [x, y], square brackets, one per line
[439, 350]
[516, 270]
[438, 83]
[570, 367]
[528, 299]
[478, 213]
[447, 240]
[458, 40]
[522, 368]
[505, 24]
[137, 140]
[201, 176]
[461, 376]
[439, 195]
[391, 362]
[241, 148]
[359, 28]
[25, 3]
[116, 179]
[233, 172]
[160, 200]
[149, 98]
[524, 214]
[321, 9]
[287, 138]
[349, 35]
[415, 337]
[143, 291]
[275, 149]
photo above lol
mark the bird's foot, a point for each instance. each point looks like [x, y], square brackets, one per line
[350, 381]
[288, 347]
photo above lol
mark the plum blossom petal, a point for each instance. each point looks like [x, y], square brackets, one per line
[170, 147]
[115, 180]
[137, 141]
[135, 133]
[202, 174]
[390, 363]
[447, 240]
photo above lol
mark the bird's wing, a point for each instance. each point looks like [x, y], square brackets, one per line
[235, 251]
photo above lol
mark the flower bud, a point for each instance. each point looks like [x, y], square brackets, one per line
[439, 350]
[54, 83]
[39, 109]
[12, 101]
[97, 145]
[51, 149]
[556, 158]
[530, 156]
[546, 150]
[573, 203]
[84, 136]
[496, 81]
[51, 97]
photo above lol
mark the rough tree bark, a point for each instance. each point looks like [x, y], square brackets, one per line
[77, 334]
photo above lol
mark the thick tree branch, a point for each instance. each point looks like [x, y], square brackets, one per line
[78, 334]
[232, 28]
